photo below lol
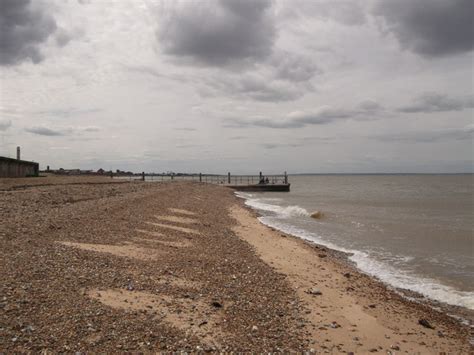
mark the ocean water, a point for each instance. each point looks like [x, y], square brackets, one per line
[411, 231]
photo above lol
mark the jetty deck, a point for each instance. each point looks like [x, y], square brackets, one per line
[260, 182]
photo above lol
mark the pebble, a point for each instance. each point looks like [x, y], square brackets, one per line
[314, 291]
[425, 323]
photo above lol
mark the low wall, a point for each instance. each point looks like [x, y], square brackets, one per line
[17, 168]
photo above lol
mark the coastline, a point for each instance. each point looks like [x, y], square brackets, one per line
[460, 313]
[131, 266]
[367, 314]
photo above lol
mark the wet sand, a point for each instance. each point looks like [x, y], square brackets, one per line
[92, 264]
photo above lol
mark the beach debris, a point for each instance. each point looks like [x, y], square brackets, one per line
[372, 305]
[347, 275]
[130, 286]
[322, 255]
[440, 334]
[425, 323]
[395, 347]
[314, 291]
[335, 325]
[254, 328]
[373, 350]
[317, 215]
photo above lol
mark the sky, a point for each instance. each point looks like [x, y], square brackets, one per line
[321, 86]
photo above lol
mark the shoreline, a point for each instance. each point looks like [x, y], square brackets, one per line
[379, 304]
[96, 266]
[458, 312]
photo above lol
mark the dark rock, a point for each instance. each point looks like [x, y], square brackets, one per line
[425, 323]
[322, 255]
[347, 274]
[395, 347]
[216, 304]
[372, 305]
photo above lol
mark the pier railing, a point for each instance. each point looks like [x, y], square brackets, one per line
[228, 179]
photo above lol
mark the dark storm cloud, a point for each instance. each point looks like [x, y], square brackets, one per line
[219, 32]
[435, 102]
[23, 27]
[300, 119]
[431, 28]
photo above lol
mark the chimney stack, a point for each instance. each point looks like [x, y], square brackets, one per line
[18, 153]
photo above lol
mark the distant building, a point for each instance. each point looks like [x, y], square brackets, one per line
[13, 168]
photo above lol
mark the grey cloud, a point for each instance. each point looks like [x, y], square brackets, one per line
[188, 129]
[89, 129]
[63, 37]
[294, 68]
[466, 133]
[348, 13]
[64, 112]
[44, 131]
[186, 146]
[5, 124]
[48, 131]
[253, 86]
[435, 102]
[298, 119]
[280, 145]
[431, 28]
[218, 32]
[23, 27]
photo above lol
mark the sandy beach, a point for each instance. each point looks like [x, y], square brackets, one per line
[100, 265]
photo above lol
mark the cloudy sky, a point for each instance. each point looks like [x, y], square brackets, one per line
[239, 85]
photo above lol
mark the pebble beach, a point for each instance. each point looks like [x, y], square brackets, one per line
[91, 264]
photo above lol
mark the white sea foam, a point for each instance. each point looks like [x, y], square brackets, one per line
[364, 261]
[280, 211]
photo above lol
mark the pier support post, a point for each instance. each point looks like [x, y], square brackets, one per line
[228, 178]
[200, 177]
[286, 178]
[143, 176]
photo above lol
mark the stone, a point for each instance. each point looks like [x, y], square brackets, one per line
[425, 323]
[317, 215]
[314, 291]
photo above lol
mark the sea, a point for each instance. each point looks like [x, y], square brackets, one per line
[413, 232]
